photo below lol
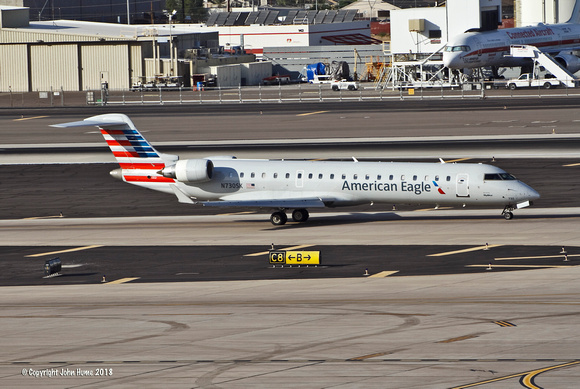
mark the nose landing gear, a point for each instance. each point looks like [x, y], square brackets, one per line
[507, 213]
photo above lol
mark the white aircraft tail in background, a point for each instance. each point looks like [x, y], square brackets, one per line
[281, 185]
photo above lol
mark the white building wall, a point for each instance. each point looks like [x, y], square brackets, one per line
[405, 41]
[532, 12]
[462, 15]
[13, 61]
[54, 66]
[256, 37]
[227, 75]
[255, 72]
[102, 63]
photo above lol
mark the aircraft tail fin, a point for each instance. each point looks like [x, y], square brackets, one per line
[575, 17]
[138, 159]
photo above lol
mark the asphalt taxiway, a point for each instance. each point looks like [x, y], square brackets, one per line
[403, 299]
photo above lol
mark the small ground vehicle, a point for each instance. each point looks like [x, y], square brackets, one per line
[344, 85]
[526, 80]
[277, 79]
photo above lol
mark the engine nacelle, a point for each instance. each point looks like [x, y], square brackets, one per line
[569, 61]
[190, 170]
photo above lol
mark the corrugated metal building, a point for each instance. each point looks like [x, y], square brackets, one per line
[76, 56]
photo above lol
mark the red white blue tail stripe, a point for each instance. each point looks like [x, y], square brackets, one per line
[139, 161]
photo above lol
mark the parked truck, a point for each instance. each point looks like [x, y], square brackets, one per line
[344, 85]
[526, 80]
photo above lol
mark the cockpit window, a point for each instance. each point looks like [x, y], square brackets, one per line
[507, 176]
[457, 48]
[498, 177]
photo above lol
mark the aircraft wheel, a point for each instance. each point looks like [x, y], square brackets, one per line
[278, 218]
[300, 215]
[508, 215]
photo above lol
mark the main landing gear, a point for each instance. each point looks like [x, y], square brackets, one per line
[507, 213]
[279, 218]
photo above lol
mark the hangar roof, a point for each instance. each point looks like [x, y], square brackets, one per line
[109, 30]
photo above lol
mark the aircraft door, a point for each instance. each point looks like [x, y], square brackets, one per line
[299, 178]
[462, 188]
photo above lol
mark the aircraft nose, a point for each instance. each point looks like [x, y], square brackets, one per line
[450, 60]
[529, 193]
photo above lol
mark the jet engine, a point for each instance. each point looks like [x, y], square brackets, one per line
[568, 60]
[189, 170]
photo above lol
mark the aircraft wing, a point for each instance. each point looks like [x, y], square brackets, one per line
[265, 203]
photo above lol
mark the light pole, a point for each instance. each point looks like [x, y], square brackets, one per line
[170, 16]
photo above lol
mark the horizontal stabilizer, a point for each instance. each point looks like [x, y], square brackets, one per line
[89, 122]
[290, 203]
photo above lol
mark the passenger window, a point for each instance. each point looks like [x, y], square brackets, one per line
[299, 175]
[344, 176]
[367, 177]
[310, 175]
[263, 175]
[287, 175]
[436, 178]
[253, 175]
[448, 178]
[378, 176]
[426, 178]
[332, 176]
[403, 177]
[275, 175]
[391, 177]
[414, 178]
[320, 176]
[355, 177]
[242, 175]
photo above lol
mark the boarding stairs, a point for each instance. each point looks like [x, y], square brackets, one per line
[547, 61]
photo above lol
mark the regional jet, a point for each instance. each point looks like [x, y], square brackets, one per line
[474, 49]
[301, 185]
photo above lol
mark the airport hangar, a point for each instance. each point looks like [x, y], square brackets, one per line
[76, 56]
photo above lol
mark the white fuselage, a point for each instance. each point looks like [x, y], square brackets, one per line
[492, 48]
[349, 183]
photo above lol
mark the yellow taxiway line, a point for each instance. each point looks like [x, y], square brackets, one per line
[572, 164]
[284, 249]
[383, 274]
[30, 118]
[43, 217]
[64, 251]
[527, 377]
[431, 209]
[121, 281]
[457, 160]
[464, 250]
[311, 113]
[528, 380]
